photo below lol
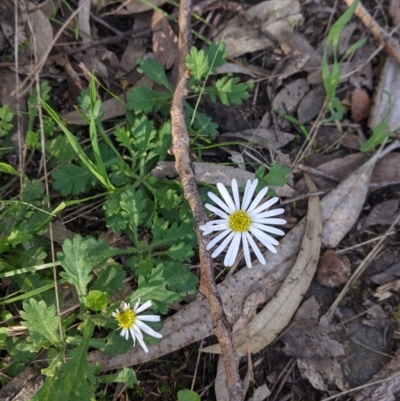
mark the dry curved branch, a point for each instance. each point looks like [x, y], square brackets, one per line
[184, 166]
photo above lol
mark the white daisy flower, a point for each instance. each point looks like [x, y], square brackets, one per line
[240, 222]
[130, 322]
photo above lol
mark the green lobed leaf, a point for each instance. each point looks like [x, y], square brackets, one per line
[133, 205]
[77, 264]
[142, 134]
[153, 289]
[229, 91]
[179, 278]
[142, 100]
[74, 380]
[197, 63]
[6, 116]
[71, 179]
[42, 323]
[109, 279]
[153, 70]
[97, 300]
[276, 176]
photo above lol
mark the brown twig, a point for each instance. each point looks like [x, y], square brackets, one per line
[184, 166]
[390, 44]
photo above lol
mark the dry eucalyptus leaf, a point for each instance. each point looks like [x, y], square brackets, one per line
[383, 213]
[260, 393]
[42, 36]
[311, 104]
[289, 97]
[389, 85]
[214, 173]
[268, 323]
[165, 42]
[350, 194]
[276, 16]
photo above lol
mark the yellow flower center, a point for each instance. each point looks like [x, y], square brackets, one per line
[239, 221]
[126, 318]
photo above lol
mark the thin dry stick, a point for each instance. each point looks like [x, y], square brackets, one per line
[390, 44]
[184, 166]
[360, 269]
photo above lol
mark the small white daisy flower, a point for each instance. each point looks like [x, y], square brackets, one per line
[239, 222]
[130, 322]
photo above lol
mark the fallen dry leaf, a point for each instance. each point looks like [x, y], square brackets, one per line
[333, 269]
[268, 323]
[42, 36]
[351, 194]
[360, 105]
[388, 86]
[136, 7]
[311, 104]
[165, 42]
[289, 97]
[389, 274]
[276, 16]
[383, 213]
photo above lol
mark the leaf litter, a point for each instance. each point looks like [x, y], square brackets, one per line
[246, 290]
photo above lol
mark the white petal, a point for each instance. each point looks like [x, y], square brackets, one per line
[142, 326]
[215, 210]
[223, 245]
[149, 318]
[145, 306]
[246, 251]
[227, 197]
[219, 202]
[231, 255]
[235, 192]
[125, 333]
[265, 205]
[268, 221]
[268, 229]
[248, 193]
[139, 337]
[268, 213]
[263, 237]
[217, 239]
[136, 305]
[137, 332]
[255, 248]
[211, 229]
[257, 200]
[133, 335]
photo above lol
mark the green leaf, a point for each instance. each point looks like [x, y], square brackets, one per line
[203, 125]
[153, 289]
[164, 235]
[97, 300]
[229, 91]
[179, 279]
[276, 176]
[188, 395]
[141, 267]
[42, 323]
[6, 116]
[112, 207]
[8, 169]
[133, 205]
[71, 179]
[197, 63]
[155, 72]
[60, 148]
[216, 54]
[20, 350]
[77, 264]
[113, 344]
[142, 100]
[126, 376]
[109, 279]
[142, 134]
[74, 380]
[379, 134]
[123, 136]
[32, 193]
